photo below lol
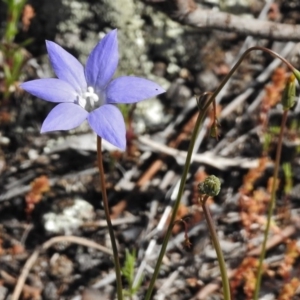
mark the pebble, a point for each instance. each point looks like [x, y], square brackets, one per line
[93, 294]
[50, 291]
[3, 292]
[207, 80]
[60, 266]
[4, 141]
[149, 114]
[178, 93]
[85, 262]
[70, 219]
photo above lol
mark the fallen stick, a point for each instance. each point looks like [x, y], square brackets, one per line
[31, 292]
[188, 12]
[34, 256]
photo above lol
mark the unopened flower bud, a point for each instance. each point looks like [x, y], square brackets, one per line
[297, 75]
[211, 186]
[187, 243]
[214, 130]
[289, 93]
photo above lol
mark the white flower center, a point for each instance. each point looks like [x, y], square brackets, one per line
[88, 99]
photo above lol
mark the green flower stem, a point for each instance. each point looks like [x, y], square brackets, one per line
[215, 240]
[271, 207]
[189, 156]
[176, 205]
[109, 224]
[14, 10]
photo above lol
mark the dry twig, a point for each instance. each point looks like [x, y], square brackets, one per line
[188, 12]
[34, 256]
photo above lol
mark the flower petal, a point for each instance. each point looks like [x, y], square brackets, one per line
[66, 66]
[102, 62]
[107, 121]
[64, 116]
[51, 89]
[129, 89]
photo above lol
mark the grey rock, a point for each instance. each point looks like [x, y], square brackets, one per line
[61, 266]
[149, 114]
[69, 219]
[50, 291]
[207, 80]
[85, 262]
[178, 93]
[3, 292]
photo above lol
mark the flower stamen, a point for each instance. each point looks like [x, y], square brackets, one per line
[91, 96]
[88, 99]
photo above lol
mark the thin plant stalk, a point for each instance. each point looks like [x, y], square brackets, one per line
[109, 224]
[216, 243]
[14, 10]
[271, 207]
[176, 205]
[186, 168]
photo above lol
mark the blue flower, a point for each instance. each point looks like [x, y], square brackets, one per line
[90, 93]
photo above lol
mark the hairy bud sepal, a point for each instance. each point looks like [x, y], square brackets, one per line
[289, 93]
[211, 186]
[214, 129]
[297, 75]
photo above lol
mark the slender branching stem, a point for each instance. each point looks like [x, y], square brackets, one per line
[109, 224]
[176, 205]
[272, 205]
[216, 243]
[189, 157]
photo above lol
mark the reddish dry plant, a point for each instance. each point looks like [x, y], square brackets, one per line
[292, 253]
[245, 276]
[273, 94]
[14, 249]
[289, 289]
[39, 186]
[6, 118]
[253, 174]
[252, 208]
[254, 203]
[270, 184]
[28, 14]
